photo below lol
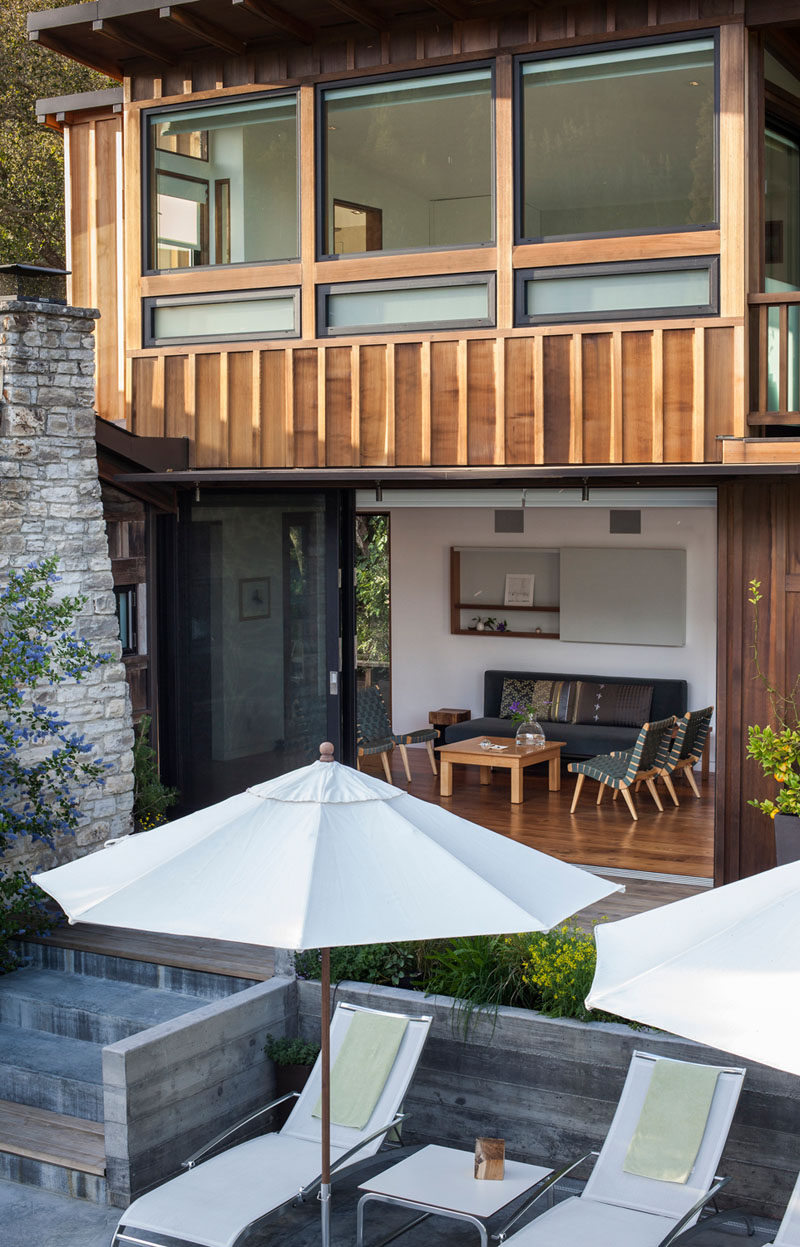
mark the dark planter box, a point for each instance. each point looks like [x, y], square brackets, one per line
[787, 838]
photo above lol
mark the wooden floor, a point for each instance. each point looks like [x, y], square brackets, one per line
[678, 842]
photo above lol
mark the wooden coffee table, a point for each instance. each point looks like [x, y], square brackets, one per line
[511, 757]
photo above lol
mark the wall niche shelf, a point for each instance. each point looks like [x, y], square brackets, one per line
[478, 587]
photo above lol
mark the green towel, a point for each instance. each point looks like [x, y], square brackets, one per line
[672, 1122]
[360, 1070]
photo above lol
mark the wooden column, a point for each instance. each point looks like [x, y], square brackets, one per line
[759, 537]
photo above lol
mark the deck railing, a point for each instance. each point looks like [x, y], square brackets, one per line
[775, 329]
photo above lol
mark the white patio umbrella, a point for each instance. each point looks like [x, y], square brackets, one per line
[720, 967]
[320, 857]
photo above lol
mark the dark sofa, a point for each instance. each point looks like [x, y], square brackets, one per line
[583, 740]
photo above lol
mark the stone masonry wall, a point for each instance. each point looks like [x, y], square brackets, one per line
[50, 505]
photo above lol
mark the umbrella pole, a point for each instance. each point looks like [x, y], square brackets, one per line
[325, 1053]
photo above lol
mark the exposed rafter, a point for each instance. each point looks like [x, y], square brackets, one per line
[277, 16]
[206, 32]
[102, 66]
[120, 34]
[361, 13]
[451, 8]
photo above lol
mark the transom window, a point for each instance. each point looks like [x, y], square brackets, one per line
[618, 141]
[223, 184]
[408, 163]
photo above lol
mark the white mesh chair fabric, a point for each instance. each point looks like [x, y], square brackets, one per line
[216, 1202]
[619, 1209]
[789, 1231]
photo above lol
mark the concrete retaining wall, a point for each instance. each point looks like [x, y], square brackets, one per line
[170, 1089]
[549, 1088]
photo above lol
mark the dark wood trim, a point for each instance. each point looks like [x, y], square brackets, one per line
[277, 16]
[206, 31]
[129, 39]
[98, 63]
[156, 454]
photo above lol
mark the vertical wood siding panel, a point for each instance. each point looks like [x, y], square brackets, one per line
[242, 435]
[720, 394]
[341, 451]
[148, 400]
[479, 36]
[273, 409]
[597, 397]
[375, 448]
[304, 409]
[80, 292]
[678, 394]
[657, 400]
[519, 386]
[557, 413]
[408, 438]
[177, 422]
[444, 403]
[576, 399]
[481, 396]
[630, 14]
[637, 397]
[733, 268]
[211, 434]
[109, 382]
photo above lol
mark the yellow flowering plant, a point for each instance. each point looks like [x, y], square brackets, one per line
[777, 750]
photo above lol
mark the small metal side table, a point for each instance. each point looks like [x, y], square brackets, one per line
[446, 717]
[438, 1182]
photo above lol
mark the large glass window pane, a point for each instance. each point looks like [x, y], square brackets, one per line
[223, 186]
[252, 676]
[214, 319]
[619, 141]
[606, 291]
[408, 163]
[782, 260]
[400, 306]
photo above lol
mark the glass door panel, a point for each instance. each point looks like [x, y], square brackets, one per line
[782, 258]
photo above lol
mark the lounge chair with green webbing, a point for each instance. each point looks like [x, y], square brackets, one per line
[619, 771]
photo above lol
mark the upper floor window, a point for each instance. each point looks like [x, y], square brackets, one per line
[408, 163]
[619, 141]
[223, 184]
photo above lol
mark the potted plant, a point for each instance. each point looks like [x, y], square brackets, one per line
[293, 1060]
[526, 716]
[778, 752]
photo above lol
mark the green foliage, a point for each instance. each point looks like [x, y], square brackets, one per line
[285, 1051]
[389, 964]
[777, 752]
[24, 913]
[558, 970]
[372, 588]
[480, 971]
[31, 156]
[151, 798]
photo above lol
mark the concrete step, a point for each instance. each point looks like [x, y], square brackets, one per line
[53, 1151]
[192, 979]
[51, 1072]
[101, 1011]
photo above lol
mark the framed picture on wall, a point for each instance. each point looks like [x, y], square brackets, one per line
[519, 589]
[254, 598]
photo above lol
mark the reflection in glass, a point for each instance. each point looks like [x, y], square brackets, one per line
[409, 163]
[599, 292]
[597, 155]
[215, 319]
[406, 305]
[229, 173]
[782, 259]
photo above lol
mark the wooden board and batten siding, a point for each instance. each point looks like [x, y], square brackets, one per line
[647, 391]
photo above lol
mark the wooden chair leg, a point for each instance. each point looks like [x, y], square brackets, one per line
[690, 776]
[387, 770]
[358, 763]
[404, 756]
[651, 784]
[577, 793]
[671, 788]
[616, 793]
[629, 799]
[431, 755]
[600, 792]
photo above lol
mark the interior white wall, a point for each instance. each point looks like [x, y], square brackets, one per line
[433, 668]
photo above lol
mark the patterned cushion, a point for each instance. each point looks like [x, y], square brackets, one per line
[527, 693]
[613, 705]
[562, 701]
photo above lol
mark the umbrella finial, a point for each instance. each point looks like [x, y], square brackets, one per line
[326, 751]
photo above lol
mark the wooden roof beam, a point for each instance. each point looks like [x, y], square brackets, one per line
[276, 16]
[120, 34]
[99, 63]
[450, 8]
[206, 32]
[361, 13]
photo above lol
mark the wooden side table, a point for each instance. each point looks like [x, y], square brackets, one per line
[446, 717]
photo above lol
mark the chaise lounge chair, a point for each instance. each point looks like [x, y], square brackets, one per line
[623, 1208]
[215, 1203]
[789, 1229]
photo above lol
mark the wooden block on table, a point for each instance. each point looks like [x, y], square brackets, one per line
[490, 1159]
